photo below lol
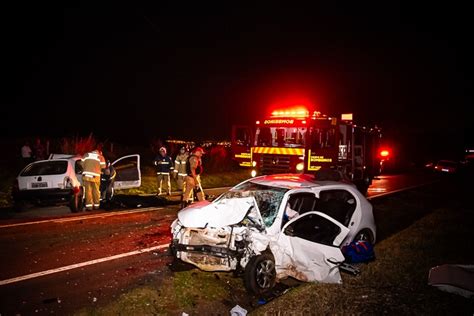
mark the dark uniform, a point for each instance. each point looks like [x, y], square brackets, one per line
[164, 166]
[107, 182]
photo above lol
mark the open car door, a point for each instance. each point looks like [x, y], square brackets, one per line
[128, 172]
[309, 248]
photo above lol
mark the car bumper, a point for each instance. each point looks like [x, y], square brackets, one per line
[49, 195]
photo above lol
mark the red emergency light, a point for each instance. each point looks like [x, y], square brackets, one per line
[384, 153]
[296, 112]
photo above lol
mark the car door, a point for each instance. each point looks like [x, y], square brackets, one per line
[128, 172]
[310, 245]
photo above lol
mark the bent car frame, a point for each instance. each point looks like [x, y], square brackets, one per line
[253, 229]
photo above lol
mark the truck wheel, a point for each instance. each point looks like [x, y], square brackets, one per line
[76, 203]
[260, 274]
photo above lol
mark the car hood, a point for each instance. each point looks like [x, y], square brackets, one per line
[219, 214]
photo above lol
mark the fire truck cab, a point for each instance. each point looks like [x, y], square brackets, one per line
[297, 141]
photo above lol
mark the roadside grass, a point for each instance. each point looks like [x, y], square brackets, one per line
[7, 178]
[209, 180]
[186, 291]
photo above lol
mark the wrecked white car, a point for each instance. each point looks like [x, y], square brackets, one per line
[272, 227]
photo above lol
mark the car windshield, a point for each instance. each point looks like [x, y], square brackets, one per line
[45, 168]
[268, 198]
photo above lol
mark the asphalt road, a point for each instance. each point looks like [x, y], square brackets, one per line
[53, 261]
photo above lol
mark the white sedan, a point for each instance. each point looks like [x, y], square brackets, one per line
[58, 180]
[275, 226]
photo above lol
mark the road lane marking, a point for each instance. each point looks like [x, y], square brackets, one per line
[80, 265]
[78, 218]
[399, 190]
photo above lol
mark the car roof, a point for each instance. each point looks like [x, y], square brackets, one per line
[292, 181]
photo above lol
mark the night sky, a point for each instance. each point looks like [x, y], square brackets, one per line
[137, 72]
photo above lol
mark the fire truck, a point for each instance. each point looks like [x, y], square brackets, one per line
[297, 141]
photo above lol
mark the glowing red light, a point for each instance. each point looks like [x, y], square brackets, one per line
[299, 111]
[384, 153]
[257, 122]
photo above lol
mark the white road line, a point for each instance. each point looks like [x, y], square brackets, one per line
[399, 190]
[78, 218]
[79, 265]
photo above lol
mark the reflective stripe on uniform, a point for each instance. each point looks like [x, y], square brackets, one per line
[91, 156]
[90, 174]
[167, 173]
[182, 174]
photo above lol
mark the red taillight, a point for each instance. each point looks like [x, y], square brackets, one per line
[384, 153]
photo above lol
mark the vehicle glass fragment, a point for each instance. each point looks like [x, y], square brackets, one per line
[268, 198]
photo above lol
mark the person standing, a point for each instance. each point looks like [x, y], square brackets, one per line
[193, 176]
[39, 150]
[26, 153]
[164, 166]
[180, 167]
[92, 164]
[107, 182]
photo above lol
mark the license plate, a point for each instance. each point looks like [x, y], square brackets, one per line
[39, 185]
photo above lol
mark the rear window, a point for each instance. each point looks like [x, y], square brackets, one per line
[45, 168]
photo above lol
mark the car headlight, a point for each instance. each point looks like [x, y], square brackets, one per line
[300, 166]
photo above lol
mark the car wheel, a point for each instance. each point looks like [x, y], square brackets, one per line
[77, 202]
[260, 274]
[364, 235]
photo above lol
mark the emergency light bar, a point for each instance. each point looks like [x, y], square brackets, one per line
[291, 113]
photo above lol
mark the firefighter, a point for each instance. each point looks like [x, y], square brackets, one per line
[92, 164]
[107, 182]
[164, 166]
[193, 181]
[180, 167]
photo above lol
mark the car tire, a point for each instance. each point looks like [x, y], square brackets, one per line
[76, 203]
[364, 235]
[260, 274]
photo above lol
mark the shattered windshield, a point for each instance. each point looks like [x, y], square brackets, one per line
[268, 198]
